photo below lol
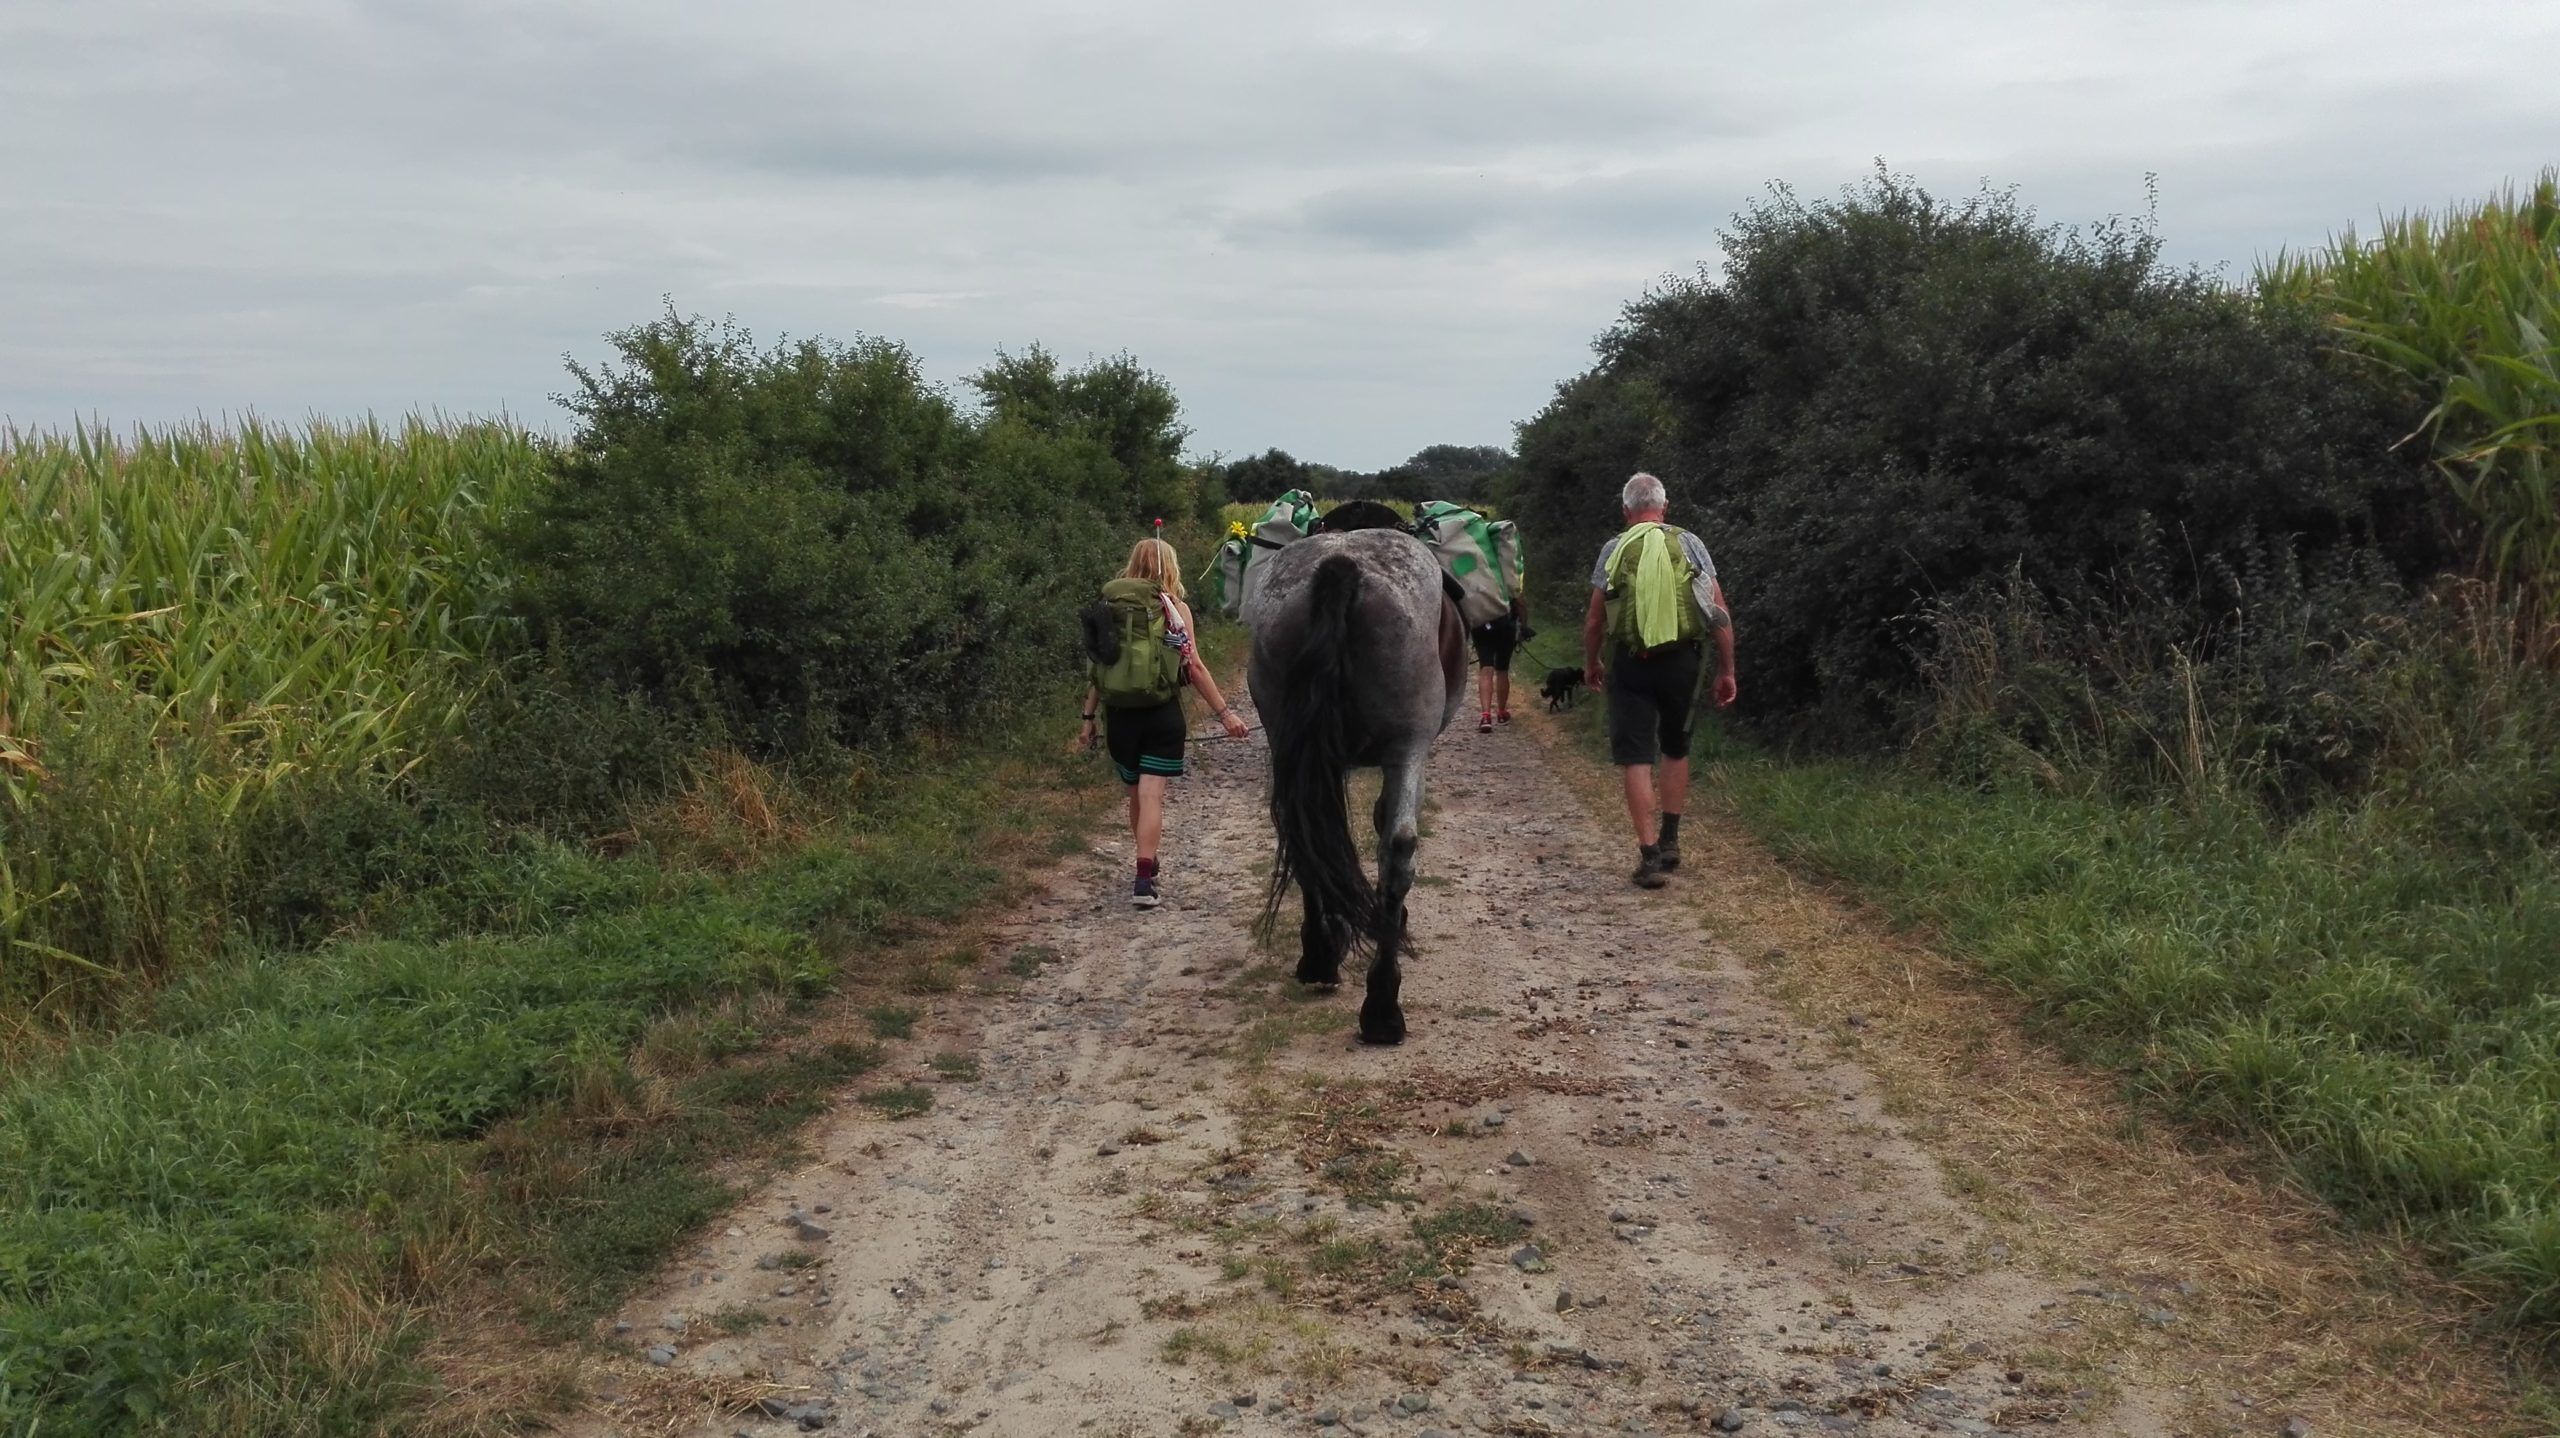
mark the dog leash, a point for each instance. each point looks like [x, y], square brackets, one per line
[1534, 659]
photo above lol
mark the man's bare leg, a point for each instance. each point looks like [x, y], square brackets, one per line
[1640, 809]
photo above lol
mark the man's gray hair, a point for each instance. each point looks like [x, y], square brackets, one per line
[1642, 492]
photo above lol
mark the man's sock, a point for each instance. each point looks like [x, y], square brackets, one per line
[1670, 828]
[1146, 868]
[1650, 851]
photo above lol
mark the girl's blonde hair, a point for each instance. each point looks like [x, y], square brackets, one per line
[1154, 560]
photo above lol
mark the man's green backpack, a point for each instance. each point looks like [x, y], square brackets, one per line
[1649, 600]
[1133, 668]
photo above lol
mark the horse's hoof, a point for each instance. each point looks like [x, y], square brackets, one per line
[1328, 985]
[1383, 1035]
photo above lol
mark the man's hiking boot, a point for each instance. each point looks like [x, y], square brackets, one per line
[1484, 723]
[1670, 857]
[1143, 893]
[1649, 873]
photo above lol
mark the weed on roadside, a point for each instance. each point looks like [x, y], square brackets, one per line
[904, 1101]
[1028, 960]
[891, 1021]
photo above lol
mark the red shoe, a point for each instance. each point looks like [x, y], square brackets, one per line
[1502, 717]
[1484, 725]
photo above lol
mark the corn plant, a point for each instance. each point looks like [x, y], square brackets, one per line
[2463, 309]
[198, 624]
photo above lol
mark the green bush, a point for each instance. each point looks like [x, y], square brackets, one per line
[2271, 680]
[1120, 405]
[1888, 399]
[810, 544]
[1601, 426]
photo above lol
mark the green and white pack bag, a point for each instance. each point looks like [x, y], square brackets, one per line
[1290, 518]
[1482, 555]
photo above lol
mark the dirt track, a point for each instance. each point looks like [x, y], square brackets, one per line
[1608, 1186]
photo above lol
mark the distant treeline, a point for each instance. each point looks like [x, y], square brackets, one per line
[1464, 473]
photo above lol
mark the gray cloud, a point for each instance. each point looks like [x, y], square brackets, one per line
[1347, 229]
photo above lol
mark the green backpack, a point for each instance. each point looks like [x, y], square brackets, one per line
[1648, 600]
[1133, 667]
[1231, 570]
[1481, 557]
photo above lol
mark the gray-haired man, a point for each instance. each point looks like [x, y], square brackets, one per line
[1651, 687]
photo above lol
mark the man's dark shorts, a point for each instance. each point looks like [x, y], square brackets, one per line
[1495, 643]
[1650, 697]
[1146, 741]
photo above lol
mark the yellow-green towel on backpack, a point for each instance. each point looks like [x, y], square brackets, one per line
[1649, 580]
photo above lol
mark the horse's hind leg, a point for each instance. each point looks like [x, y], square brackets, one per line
[1399, 820]
[1321, 940]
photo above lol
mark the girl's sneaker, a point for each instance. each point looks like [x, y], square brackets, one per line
[1502, 718]
[1484, 724]
[1143, 894]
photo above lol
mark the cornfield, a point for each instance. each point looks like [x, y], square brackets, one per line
[201, 623]
[2464, 309]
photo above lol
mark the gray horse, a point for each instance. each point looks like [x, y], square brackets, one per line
[1359, 660]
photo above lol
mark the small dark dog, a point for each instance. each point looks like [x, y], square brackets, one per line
[1560, 687]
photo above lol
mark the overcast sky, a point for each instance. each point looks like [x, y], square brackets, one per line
[1346, 230]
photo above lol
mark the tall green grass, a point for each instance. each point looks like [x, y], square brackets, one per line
[2462, 309]
[2374, 1008]
[252, 1210]
[205, 627]
[2295, 875]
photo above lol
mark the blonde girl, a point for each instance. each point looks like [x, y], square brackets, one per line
[1146, 744]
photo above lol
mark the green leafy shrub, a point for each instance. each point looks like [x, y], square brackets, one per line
[810, 544]
[2268, 680]
[1888, 399]
[1602, 426]
[1120, 405]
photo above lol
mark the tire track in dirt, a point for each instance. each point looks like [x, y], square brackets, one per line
[1606, 1187]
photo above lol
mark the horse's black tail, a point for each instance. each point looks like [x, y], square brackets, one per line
[1311, 753]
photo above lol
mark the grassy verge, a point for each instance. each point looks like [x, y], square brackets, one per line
[2360, 1000]
[313, 1190]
